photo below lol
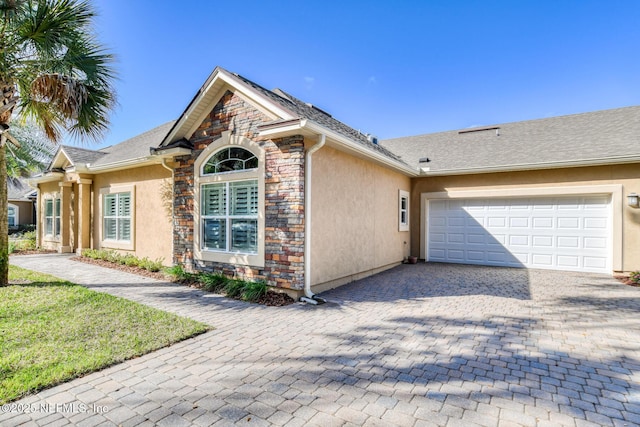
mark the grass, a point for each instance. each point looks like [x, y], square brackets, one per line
[52, 331]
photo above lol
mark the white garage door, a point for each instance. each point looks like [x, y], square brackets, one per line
[560, 233]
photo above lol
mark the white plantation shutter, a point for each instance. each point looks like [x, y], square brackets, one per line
[235, 228]
[117, 217]
[110, 204]
[124, 204]
[214, 199]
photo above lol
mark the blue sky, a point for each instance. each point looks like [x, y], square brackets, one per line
[391, 68]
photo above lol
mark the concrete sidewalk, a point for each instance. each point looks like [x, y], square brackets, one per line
[426, 344]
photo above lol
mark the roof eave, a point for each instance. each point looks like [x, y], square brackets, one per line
[604, 161]
[45, 177]
[306, 127]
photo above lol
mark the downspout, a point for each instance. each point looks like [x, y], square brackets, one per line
[309, 297]
[173, 176]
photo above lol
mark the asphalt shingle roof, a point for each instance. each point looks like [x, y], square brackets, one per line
[132, 148]
[307, 111]
[17, 189]
[81, 155]
[135, 147]
[574, 138]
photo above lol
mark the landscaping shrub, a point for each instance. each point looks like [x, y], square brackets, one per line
[213, 282]
[254, 290]
[234, 288]
[634, 276]
[178, 273]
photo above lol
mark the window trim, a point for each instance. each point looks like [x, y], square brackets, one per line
[255, 259]
[55, 235]
[16, 214]
[118, 244]
[403, 223]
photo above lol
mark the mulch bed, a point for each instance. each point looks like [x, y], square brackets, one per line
[133, 270]
[272, 299]
[32, 252]
[625, 280]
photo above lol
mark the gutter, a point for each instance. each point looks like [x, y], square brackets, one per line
[309, 297]
[307, 127]
[603, 161]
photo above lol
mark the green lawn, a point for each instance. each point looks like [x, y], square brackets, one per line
[52, 331]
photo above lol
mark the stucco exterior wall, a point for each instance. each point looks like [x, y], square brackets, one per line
[25, 212]
[354, 225]
[626, 175]
[152, 210]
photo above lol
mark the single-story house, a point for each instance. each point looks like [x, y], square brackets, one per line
[21, 203]
[259, 184]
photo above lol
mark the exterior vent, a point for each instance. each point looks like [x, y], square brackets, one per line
[424, 160]
[496, 128]
[372, 138]
[317, 109]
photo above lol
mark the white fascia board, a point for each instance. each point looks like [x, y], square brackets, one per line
[535, 166]
[185, 116]
[361, 150]
[234, 83]
[172, 152]
[47, 177]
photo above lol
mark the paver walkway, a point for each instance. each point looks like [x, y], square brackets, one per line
[426, 344]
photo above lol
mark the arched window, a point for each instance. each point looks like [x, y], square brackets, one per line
[230, 159]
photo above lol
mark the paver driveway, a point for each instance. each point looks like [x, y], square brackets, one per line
[426, 344]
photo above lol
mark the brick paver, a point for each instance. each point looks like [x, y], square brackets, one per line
[425, 344]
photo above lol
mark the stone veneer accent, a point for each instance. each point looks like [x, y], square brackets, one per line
[284, 197]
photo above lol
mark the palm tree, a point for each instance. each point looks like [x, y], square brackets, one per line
[32, 155]
[53, 71]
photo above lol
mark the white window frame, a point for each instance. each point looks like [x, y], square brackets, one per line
[228, 218]
[16, 215]
[114, 243]
[228, 256]
[403, 210]
[55, 216]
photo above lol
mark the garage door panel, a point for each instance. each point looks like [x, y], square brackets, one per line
[566, 233]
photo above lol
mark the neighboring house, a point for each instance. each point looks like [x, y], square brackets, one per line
[259, 184]
[21, 209]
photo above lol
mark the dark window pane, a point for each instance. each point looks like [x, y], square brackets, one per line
[214, 234]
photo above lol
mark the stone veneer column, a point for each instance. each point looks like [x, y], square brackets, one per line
[65, 217]
[84, 214]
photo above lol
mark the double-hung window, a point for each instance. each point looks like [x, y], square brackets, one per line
[230, 216]
[117, 217]
[52, 217]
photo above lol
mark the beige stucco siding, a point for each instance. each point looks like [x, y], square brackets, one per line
[25, 211]
[152, 216]
[354, 217]
[628, 176]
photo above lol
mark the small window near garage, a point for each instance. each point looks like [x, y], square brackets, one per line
[12, 215]
[403, 210]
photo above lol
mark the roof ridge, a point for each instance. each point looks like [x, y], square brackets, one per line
[73, 147]
[540, 119]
